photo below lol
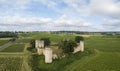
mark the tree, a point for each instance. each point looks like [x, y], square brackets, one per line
[67, 46]
[8, 34]
[79, 38]
[32, 43]
[12, 40]
[46, 41]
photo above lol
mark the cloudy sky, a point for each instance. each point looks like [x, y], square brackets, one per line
[55, 15]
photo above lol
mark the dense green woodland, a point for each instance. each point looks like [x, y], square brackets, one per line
[102, 53]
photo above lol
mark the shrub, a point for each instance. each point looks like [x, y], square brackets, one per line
[79, 38]
[67, 46]
[46, 41]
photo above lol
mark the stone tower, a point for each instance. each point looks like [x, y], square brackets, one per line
[48, 55]
[39, 44]
[81, 46]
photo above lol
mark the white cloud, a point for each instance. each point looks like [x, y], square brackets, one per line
[109, 25]
[65, 21]
[49, 3]
[113, 24]
[16, 4]
[13, 12]
[24, 20]
[109, 8]
[36, 23]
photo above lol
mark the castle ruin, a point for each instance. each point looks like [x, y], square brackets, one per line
[42, 50]
[80, 47]
[47, 51]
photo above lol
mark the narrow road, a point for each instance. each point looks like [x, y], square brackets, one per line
[5, 46]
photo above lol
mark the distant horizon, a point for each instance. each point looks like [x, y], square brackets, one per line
[60, 31]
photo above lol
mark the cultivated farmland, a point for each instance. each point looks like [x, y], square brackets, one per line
[10, 63]
[14, 48]
[2, 42]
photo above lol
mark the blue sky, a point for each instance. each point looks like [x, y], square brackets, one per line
[56, 15]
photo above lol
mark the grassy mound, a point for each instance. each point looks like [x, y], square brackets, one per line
[38, 64]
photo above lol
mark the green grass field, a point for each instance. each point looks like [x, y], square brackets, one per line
[2, 42]
[103, 44]
[102, 53]
[106, 58]
[14, 48]
[54, 38]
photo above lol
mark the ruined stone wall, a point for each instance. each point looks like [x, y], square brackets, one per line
[80, 47]
[40, 51]
[36, 43]
[39, 44]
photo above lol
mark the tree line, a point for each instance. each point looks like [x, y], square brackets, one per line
[8, 34]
